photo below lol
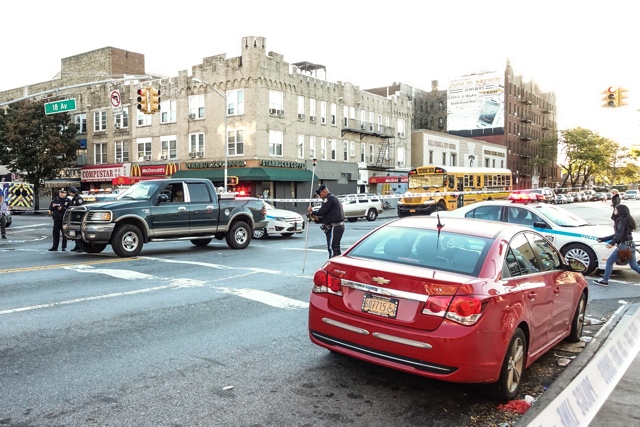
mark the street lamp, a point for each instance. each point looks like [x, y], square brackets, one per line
[226, 147]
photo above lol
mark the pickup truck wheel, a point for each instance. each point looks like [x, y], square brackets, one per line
[372, 215]
[127, 241]
[239, 235]
[91, 248]
[260, 233]
[201, 242]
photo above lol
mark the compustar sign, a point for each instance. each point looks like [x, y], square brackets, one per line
[100, 174]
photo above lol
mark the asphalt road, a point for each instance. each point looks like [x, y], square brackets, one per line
[187, 336]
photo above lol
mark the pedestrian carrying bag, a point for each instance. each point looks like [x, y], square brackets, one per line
[624, 252]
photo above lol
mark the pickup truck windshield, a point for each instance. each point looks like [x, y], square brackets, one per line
[142, 190]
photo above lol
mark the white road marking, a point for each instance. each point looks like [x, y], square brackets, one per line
[268, 298]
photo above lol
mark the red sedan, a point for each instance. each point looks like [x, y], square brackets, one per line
[467, 301]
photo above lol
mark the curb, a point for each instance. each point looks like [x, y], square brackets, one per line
[575, 367]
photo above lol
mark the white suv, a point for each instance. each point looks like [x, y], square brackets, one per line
[357, 206]
[630, 195]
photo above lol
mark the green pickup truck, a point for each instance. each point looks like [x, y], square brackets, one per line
[164, 210]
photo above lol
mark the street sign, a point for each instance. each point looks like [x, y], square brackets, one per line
[116, 102]
[60, 106]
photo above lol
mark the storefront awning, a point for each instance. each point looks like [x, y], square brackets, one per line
[250, 174]
[64, 182]
[130, 180]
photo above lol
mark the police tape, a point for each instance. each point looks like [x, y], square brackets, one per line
[401, 196]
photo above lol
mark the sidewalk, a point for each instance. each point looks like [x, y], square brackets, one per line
[601, 386]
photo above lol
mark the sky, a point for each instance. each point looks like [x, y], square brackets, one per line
[573, 48]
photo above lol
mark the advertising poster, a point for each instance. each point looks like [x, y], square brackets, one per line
[475, 104]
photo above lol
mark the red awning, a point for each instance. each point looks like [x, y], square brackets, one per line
[129, 180]
[388, 179]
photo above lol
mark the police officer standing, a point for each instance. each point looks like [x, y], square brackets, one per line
[332, 218]
[57, 208]
[76, 200]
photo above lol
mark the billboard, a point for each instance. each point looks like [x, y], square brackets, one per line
[475, 104]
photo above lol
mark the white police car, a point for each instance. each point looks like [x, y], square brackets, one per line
[573, 236]
[280, 221]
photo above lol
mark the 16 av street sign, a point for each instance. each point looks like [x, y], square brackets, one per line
[60, 106]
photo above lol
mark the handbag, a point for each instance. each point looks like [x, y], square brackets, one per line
[624, 252]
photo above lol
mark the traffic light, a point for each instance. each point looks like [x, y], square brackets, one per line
[154, 100]
[232, 180]
[610, 97]
[143, 100]
[622, 96]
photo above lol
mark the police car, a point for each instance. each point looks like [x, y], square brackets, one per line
[573, 236]
[280, 221]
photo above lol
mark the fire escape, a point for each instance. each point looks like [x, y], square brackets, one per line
[385, 158]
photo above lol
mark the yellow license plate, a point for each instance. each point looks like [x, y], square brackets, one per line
[412, 210]
[380, 306]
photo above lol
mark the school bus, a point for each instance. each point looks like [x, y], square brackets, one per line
[435, 188]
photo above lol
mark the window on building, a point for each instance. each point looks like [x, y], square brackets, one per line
[169, 147]
[143, 119]
[301, 107]
[100, 153]
[401, 128]
[380, 123]
[372, 118]
[323, 112]
[236, 142]
[144, 149]
[363, 119]
[122, 151]
[401, 157]
[276, 102]
[345, 150]
[81, 121]
[312, 147]
[275, 143]
[430, 157]
[301, 146]
[196, 144]
[312, 109]
[486, 163]
[345, 116]
[323, 148]
[121, 121]
[363, 152]
[444, 159]
[352, 148]
[196, 107]
[168, 111]
[453, 160]
[334, 149]
[235, 102]
[371, 153]
[99, 121]
[334, 114]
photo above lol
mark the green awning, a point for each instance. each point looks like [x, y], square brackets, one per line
[250, 174]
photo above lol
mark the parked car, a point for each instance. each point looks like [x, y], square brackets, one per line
[361, 205]
[548, 194]
[598, 197]
[630, 195]
[573, 236]
[577, 197]
[561, 199]
[468, 303]
[280, 221]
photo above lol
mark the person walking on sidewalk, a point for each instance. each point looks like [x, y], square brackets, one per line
[615, 201]
[57, 208]
[4, 212]
[624, 225]
[76, 200]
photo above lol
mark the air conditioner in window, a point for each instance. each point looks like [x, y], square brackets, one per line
[119, 160]
[192, 154]
[200, 153]
[280, 113]
[401, 134]
[301, 116]
[272, 110]
[163, 157]
[192, 116]
[400, 163]
[312, 118]
[116, 125]
[147, 158]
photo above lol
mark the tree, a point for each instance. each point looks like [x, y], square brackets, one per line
[585, 153]
[35, 145]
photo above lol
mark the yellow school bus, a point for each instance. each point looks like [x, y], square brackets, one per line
[436, 188]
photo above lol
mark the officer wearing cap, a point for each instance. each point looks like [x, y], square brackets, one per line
[76, 200]
[57, 208]
[332, 218]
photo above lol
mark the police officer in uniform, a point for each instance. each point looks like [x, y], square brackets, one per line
[57, 208]
[331, 216]
[76, 200]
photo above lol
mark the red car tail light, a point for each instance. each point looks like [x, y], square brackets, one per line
[465, 310]
[325, 282]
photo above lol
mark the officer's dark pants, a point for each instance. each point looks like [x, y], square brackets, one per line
[57, 230]
[334, 236]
